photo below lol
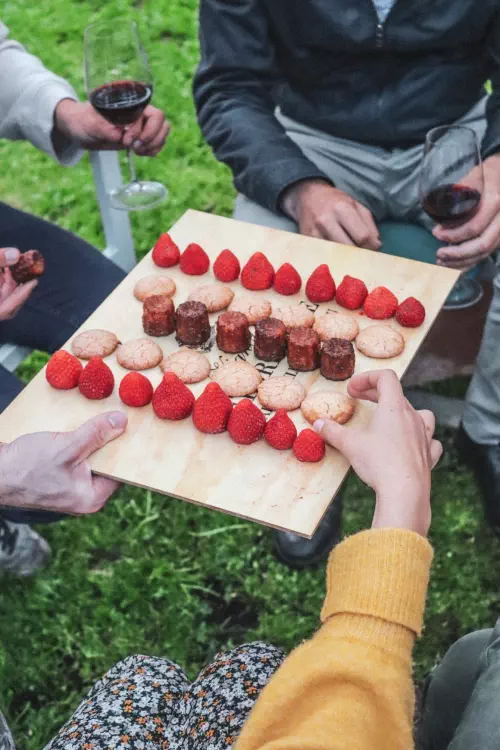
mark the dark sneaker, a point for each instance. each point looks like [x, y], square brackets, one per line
[22, 550]
[298, 552]
[6, 741]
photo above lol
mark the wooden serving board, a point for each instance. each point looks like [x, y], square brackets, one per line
[254, 482]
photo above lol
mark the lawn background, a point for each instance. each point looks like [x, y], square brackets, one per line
[153, 575]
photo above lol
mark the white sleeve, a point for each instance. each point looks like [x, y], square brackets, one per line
[29, 94]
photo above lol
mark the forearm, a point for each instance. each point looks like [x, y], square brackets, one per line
[29, 95]
[350, 686]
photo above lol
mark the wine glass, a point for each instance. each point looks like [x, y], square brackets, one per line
[451, 186]
[119, 86]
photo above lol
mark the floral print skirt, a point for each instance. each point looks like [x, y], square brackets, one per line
[147, 703]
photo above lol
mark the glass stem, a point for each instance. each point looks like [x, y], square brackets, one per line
[131, 165]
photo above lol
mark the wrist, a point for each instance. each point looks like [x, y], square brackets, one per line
[63, 116]
[10, 491]
[293, 195]
[408, 509]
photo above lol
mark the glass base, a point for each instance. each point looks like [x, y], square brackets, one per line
[466, 293]
[138, 196]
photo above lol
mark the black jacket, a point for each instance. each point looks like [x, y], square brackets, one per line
[331, 65]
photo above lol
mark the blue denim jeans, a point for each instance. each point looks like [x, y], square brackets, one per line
[77, 279]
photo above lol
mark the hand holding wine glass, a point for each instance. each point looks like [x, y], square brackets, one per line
[119, 86]
[451, 187]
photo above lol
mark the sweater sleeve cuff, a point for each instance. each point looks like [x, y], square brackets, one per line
[39, 129]
[382, 573]
[280, 175]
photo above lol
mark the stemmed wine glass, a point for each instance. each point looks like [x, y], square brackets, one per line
[119, 86]
[451, 186]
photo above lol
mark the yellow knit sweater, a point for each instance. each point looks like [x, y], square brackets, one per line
[350, 687]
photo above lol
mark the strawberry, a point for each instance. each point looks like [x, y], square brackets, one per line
[212, 410]
[320, 285]
[246, 423]
[380, 304]
[165, 252]
[309, 447]
[280, 431]
[227, 266]
[194, 260]
[96, 381]
[172, 399]
[351, 293]
[287, 280]
[257, 273]
[63, 371]
[410, 313]
[136, 389]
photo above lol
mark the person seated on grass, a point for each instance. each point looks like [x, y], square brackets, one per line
[321, 111]
[38, 106]
[350, 686]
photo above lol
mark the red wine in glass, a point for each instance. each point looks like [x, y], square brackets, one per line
[121, 102]
[451, 204]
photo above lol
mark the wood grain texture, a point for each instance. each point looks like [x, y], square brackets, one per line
[253, 482]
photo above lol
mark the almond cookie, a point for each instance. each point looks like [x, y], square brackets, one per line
[139, 354]
[281, 393]
[154, 284]
[96, 343]
[380, 342]
[189, 365]
[294, 316]
[334, 325]
[254, 308]
[214, 296]
[237, 378]
[329, 405]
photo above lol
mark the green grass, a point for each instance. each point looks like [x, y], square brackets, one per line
[155, 575]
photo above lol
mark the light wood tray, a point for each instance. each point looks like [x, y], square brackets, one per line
[254, 482]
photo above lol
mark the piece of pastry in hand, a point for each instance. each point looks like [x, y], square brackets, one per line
[329, 405]
[30, 265]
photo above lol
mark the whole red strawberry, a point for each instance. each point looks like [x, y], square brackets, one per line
[172, 399]
[410, 313]
[227, 267]
[246, 423]
[287, 280]
[165, 252]
[63, 371]
[194, 260]
[380, 304]
[280, 431]
[320, 285]
[309, 447]
[351, 293]
[212, 410]
[136, 389]
[96, 381]
[257, 273]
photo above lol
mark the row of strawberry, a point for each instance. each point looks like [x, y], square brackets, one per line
[258, 274]
[213, 412]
